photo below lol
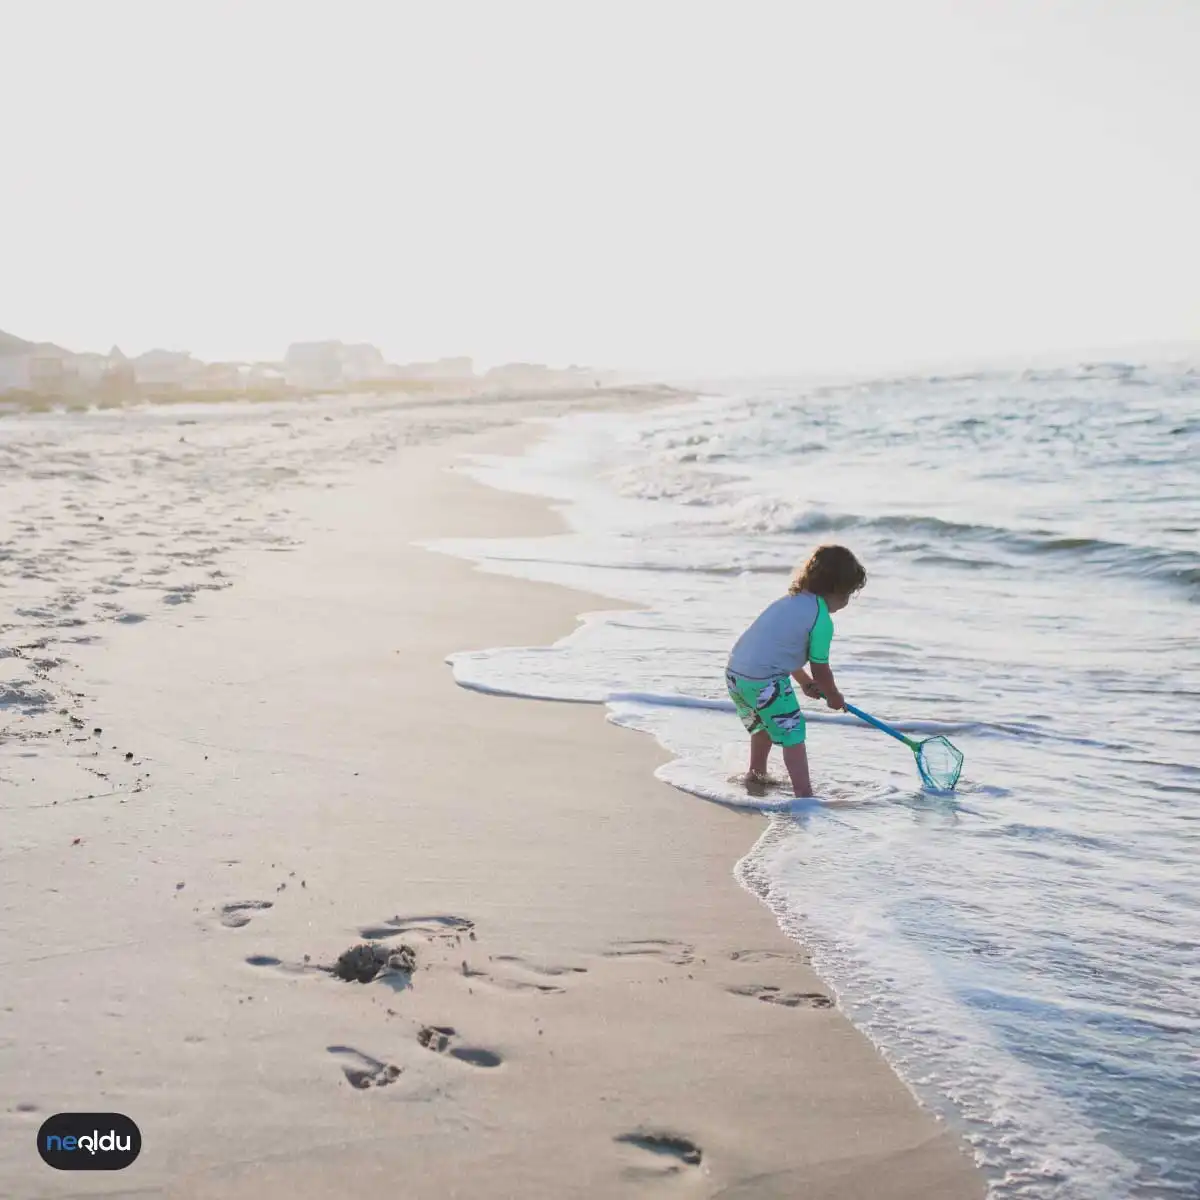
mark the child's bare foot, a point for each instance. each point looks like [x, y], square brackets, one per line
[756, 782]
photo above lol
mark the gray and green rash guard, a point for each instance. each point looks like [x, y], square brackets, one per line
[792, 631]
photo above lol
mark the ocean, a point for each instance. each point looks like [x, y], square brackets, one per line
[1024, 951]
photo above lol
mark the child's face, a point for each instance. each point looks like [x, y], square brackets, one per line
[837, 601]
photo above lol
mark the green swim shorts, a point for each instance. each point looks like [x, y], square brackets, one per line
[770, 705]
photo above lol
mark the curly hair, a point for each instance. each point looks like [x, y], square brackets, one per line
[831, 571]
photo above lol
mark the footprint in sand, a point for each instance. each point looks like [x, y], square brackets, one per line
[507, 983]
[238, 914]
[437, 928]
[440, 1039]
[476, 1057]
[773, 995]
[767, 956]
[674, 1154]
[679, 953]
[362, 1070]
[286, 968]
[538, 968]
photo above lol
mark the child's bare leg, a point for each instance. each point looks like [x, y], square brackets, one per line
[760, 750]
[795, 758]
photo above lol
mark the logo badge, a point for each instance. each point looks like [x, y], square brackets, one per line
[89, 1141]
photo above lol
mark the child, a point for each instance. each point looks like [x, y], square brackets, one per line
[787, 634]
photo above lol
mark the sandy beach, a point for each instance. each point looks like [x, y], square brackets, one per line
[589, 1004]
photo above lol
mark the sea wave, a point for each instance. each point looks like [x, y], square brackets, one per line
[471, 670]
[931, 535]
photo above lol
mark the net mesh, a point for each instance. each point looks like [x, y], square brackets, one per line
[940, 763]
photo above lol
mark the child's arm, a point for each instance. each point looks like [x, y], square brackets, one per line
[818, 659]
[807, 686]
[827, 685]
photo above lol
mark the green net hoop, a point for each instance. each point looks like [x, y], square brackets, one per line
[940, 763]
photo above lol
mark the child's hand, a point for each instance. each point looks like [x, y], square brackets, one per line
[811, 690]
[836, 701]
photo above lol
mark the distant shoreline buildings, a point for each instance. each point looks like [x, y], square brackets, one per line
[42, 370]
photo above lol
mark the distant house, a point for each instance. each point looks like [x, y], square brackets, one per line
[166, 370]
[362, 363]
[90, 369]
[119, 381]
[313, 364]
[14, 374]
[35, 367]
[221, 377]
[14, 363]
[263, 377]
[50, 371]
[331, 364]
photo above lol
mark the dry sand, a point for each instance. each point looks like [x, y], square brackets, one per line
[597, 1009]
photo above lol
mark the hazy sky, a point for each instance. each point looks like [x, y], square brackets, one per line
[729, 185]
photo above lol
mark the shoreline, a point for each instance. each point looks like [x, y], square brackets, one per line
[576, 923]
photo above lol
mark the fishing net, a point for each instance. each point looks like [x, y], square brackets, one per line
[940, 763]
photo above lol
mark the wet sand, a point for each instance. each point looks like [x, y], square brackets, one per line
[566, 992]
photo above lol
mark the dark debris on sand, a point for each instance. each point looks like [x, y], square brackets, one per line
[362, 963]
[403, 958]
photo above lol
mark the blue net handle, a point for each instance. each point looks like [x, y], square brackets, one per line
[939, 761]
